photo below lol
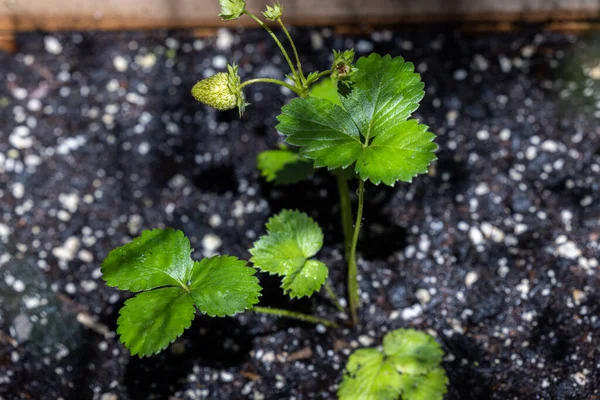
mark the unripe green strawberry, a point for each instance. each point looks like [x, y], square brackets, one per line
[215, 92]
[221, 91]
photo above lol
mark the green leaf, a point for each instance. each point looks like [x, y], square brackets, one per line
[160, 257]
[327, 90]
[399, 153]
[223, 286]
[409, 364]
[150, 321]
[232, 9]
[386, 91]
[284, 166]
[324, 131]
[371, 129]
[369, 376]
[432, 386]
[158, 265]
[292, 239]
[411, 351]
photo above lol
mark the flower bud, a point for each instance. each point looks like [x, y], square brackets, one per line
[221, 91]
[274, 13]
[232, 9]
[342, 67]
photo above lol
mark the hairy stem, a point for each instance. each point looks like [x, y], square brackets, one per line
[346, 212]
[295, 315]
[353, 295]
[298, 63]
[320, 75]
[271, 80]
[334, 298]
[285, 54]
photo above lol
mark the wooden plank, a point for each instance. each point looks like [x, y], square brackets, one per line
[51, 15]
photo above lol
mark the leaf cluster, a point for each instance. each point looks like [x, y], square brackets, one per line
[371, 130]
[408, 366]
[170, 286]
[292, 239]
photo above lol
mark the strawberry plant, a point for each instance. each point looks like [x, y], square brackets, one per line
[352, 119]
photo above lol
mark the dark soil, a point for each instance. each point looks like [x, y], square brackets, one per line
[495, 251]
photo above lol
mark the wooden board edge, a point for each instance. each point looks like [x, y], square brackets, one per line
[24, 23]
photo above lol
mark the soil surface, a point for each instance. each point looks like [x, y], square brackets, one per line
[495, 251]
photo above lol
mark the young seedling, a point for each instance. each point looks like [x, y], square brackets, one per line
[407, 367]
[356, 124]
[170, 286]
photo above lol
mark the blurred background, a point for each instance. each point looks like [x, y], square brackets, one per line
[495, 251]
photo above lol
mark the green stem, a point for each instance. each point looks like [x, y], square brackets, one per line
[353, 295]
[346, 212]
[298, 63]
[320, 75]
[295, 315]
[270, 80]
[334, 298]
[285, 54]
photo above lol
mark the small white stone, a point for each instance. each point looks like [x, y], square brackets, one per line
[18, 190]
[483, 134]
[19, 286]
[423, 296]
[412, 312]
[144, 148]
[214, 220]
[568, 250]
[19, 93]
[70, 288]
[550, 146]
[482, 189]
[86, 256]
[521, 228]
[146, 61]
[471, 278]
[69, 201]
[365, 340]
[364, 46]
[120, 63]
[211, 242]
[528, 51]
[52, 45]
[476, 236]
[505, 134]
[224, 39]
[34, 105]
[460, 74]
[219, 62]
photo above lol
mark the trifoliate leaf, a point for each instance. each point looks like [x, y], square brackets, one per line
[408, 365]
[327, 90]
[371, 129]
[223, 286]
[158, 265]
[160, 257]
[232, 9]
[432, 386]
[293, 238]
[284, 166]
[150, 321]
[411, 351]
[369, 376]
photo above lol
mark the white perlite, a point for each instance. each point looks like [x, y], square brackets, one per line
[52, 45]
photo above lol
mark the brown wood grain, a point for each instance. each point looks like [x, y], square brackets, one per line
[54, 15]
